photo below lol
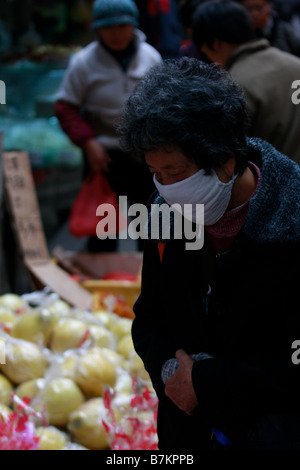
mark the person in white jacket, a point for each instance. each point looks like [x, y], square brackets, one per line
[99, 79]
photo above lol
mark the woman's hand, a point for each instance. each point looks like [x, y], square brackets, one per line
[179, 388]
[97, 157]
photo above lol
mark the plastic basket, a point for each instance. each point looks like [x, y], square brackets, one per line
[126, 292]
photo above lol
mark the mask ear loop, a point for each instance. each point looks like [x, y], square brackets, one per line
[231, 181]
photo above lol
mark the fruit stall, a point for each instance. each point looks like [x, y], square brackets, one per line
[70, 378]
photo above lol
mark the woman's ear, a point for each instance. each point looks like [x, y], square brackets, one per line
[226, 171]
[229, 166]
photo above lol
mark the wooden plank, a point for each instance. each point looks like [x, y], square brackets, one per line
[49, 274]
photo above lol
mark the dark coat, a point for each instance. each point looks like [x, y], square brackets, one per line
[248, 323]
[281, 34]
[266, 75]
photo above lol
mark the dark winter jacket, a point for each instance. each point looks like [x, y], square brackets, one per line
[159, 20]
[280, 34]
[250, 390]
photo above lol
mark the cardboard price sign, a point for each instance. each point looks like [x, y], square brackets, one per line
[27, 224]
[24, 206]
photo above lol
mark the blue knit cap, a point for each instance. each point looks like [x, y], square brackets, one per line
[111, 12]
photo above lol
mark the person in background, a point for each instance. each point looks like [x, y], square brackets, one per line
[160, 21]
[294, 17]
[215, 325]
[187, 47]
[268, 24]
[222, 30]
[97, 82]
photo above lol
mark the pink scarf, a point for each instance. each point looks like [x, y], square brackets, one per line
[223, 232]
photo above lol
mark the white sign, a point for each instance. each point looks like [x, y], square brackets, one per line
[2, 92]
[2, 351]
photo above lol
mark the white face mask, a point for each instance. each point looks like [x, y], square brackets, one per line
[199, 188]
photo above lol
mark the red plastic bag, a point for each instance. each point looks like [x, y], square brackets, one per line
[94, 191]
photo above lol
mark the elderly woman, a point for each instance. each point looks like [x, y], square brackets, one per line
[215, 326]
[98, 80]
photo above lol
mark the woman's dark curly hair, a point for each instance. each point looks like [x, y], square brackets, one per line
[189, 105]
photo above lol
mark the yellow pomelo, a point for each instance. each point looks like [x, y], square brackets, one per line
[51, 438]
[6, 389]
[24, 361]
[68, 334]
[30, 388]
[93, 371]
[106, 318]
[66, 367]
[102, 337]
[59, 308]
[114, 357]
[85, 425]
[123, 384]
[125, 346]
[122, 327]
[5, 411]
[135, 366]
[7, 319]
[61, 396]
[74, 446]
[35, 326]
[12, 301]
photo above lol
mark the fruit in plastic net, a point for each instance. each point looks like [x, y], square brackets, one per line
[69, 333]
[122, 327]
[24, 361]
[59, 308]
[125, 346]
[7, 319]
[74, 446]
[6, 389]
[93, 371]
[5, 411]
[30, 388]
[51, 438]
[61, 396]
[102, 337]
[35, 326]
[114, 357]
[66, 366]
[13, 302]
[106, 318]
[134, 363]
[135, 366]
[85, 425]
[123, 384]
[122, 395]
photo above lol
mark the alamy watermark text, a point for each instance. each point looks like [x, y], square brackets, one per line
[296, 354]
[164, 222]
[296, 93]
